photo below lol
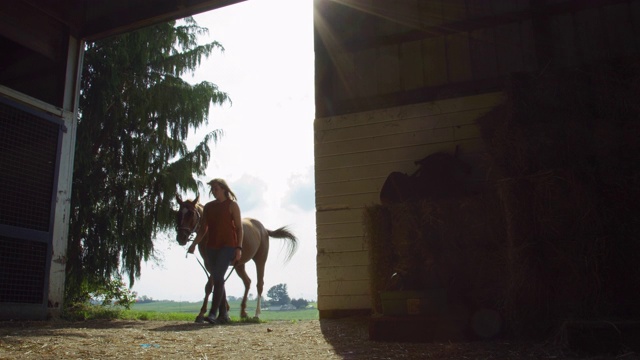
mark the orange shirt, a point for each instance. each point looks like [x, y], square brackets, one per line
[221, 228]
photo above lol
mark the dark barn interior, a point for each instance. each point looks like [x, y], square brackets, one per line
[549, 241]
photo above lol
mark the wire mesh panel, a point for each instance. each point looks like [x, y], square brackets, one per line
[22, 270]
[28, 153]
[29, 160]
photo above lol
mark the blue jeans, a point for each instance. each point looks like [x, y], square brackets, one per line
[219, 260]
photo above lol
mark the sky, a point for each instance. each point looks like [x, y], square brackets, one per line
[266, 151]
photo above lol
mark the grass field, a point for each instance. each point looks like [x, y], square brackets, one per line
[170, 310]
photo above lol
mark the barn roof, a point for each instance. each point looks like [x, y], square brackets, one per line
[35, 35]
[94, 19]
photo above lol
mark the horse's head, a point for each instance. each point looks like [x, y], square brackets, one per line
[188, 219]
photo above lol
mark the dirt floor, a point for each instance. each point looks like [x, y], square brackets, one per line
[313, 339]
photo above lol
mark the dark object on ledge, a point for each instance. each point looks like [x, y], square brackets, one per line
[439, 176]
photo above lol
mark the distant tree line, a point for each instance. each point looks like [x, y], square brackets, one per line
[278, 295]
[144, 299]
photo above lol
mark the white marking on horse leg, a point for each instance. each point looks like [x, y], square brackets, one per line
[258, 306]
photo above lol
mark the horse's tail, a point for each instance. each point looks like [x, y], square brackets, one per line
[284, 233]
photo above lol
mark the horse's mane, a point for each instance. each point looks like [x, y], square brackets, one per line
[199, 208]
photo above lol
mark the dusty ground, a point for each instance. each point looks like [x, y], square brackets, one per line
[314, 339]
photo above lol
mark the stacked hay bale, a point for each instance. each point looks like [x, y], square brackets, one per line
[555, 234]
[566, 149]
[454, 244]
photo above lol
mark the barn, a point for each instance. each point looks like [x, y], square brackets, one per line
[518, 91]
[536, 98]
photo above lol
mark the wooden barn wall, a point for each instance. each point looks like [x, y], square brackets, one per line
[379, 53]
[353, 156]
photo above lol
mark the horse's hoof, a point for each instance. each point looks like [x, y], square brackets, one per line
[256, 318]
[199, 320]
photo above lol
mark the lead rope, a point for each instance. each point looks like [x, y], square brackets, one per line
[230, 272]
[195, 230]
[203, 268]
[207, 273]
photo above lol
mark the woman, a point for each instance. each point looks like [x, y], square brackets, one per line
[223, 233]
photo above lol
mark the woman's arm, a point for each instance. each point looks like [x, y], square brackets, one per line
[199, 236]
[237, 219]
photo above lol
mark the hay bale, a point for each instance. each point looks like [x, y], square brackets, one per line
[555, 252]
[527, 291]
[450, 244]
[377, 230]
[565, 154]
[410, 245]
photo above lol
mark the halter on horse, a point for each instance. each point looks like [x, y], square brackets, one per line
[255, 246]
[189, 217]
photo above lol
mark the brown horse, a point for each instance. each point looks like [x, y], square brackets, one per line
[255, 246]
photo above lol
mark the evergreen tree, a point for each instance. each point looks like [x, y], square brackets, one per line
[131, 158]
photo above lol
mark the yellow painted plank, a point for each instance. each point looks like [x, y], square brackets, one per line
[352, 258]
[394, 127]
[466, 132]
[341, 244]
[346, 188]
[344, 273]
[383, 155]
[422, 110]
[338, 217]
[343, 287]
[373, 171]
[327, 302]
[328, 202]
[339, 230]
[384, 141]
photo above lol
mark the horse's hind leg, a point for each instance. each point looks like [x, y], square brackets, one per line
[240, 270]
[203, 309]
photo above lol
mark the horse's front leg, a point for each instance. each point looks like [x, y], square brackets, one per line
[203, 309]
[240, 270]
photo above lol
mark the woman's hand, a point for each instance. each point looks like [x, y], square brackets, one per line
[238, 253]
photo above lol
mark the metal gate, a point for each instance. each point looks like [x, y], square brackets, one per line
[30, 142]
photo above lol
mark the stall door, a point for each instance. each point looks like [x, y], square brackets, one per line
[29, 161]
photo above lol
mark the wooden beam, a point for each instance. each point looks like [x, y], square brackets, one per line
[120, 17]
[32, 29]
[540, 9]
